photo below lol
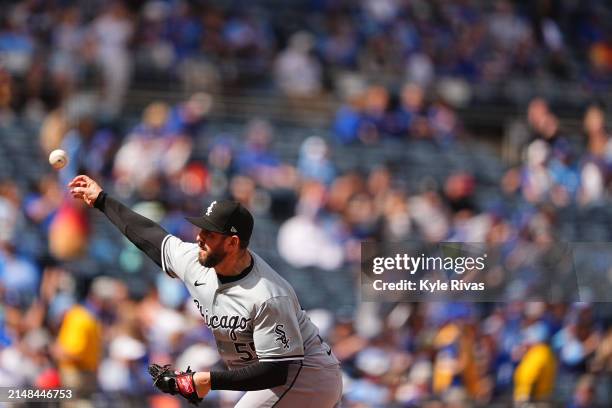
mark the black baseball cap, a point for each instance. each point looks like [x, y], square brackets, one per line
[226, 217]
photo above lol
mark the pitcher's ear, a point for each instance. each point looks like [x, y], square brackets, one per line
[234, 240]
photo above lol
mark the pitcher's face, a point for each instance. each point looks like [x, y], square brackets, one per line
[212, 248]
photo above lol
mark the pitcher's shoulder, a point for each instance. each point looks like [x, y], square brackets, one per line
[268, 283]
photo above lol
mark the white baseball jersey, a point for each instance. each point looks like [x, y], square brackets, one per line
[256, 318]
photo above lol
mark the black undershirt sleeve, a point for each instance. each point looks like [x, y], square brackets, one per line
[141, 231]
[258, 376]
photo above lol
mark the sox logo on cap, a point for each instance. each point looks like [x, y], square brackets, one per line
[210, 207]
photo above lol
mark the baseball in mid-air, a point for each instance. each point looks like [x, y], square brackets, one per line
[58, 159]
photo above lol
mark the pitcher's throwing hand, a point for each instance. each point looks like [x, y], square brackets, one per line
[83, 187]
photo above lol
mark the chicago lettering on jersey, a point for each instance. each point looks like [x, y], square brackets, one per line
[231, 322]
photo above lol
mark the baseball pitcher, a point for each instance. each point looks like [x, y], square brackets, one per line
[269, 344]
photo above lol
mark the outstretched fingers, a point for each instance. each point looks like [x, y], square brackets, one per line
[78, 190]
[79, 196]
[81, 180]
[77, 184]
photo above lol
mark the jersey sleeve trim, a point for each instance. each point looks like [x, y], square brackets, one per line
[281, 358]
[163, 257]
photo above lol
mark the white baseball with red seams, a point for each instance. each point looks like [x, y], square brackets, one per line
[58, 159]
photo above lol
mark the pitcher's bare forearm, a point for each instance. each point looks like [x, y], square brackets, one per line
[141, 231]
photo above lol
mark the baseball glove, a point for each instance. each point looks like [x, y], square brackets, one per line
[175, 382]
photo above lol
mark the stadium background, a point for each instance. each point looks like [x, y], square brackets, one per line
[334, 122]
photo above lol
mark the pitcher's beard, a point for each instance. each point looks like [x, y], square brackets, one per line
[210, 259]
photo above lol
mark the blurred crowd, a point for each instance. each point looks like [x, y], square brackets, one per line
[302, 49]
[61, 275]
[62, 272]
[554, 169]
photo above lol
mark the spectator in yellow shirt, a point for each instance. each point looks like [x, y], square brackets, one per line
[78, 348]
[534, 378]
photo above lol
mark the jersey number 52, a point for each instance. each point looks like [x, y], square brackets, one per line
[243, 350]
